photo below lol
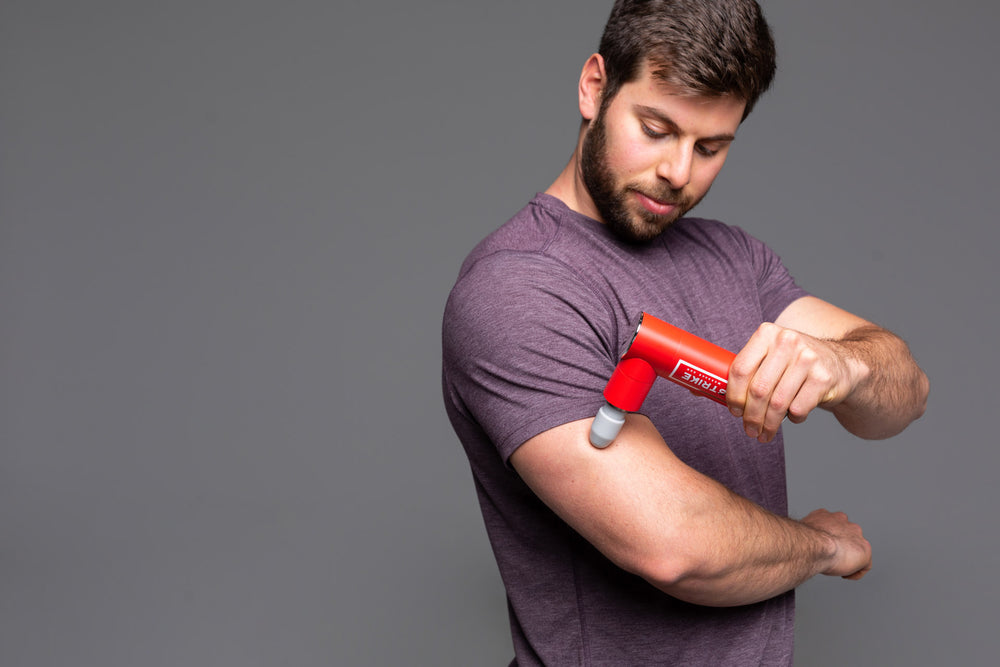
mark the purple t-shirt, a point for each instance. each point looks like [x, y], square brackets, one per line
[541, 312]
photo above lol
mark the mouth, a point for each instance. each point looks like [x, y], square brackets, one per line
[655, 206]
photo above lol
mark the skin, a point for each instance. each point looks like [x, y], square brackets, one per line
[636, 501]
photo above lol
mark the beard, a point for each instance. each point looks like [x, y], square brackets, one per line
[630, 223]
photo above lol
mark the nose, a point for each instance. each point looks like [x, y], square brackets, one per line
[675, 164]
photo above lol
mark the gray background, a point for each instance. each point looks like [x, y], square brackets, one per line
[227, 231]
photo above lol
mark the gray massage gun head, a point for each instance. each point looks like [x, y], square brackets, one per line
[607, 424]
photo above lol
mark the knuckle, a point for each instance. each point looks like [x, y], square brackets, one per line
[768, 328]
[787, 338]
[758, 390]
[808, 356]
[778, 402]
[739, 369]
[797, 414]
[821, 375]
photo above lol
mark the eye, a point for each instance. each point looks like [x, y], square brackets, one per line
[649, 132]
[706, 151]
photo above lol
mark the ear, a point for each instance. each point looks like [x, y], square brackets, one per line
[592, 81]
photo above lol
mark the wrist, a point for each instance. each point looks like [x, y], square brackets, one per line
[858, 372]
[854, 373]
[823, 547]
[827, 551]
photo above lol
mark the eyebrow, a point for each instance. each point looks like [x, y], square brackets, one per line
[664, 118]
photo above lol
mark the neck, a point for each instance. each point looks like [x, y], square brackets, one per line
[569, 188]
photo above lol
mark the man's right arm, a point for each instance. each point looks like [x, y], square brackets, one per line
[685, 533]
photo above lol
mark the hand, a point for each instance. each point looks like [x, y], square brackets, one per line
[853, 557]
[783, 372]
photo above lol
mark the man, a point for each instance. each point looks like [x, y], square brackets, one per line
[673, 545]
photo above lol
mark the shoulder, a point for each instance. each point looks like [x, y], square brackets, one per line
[516, 298]
[739, 248]
[718, 235]
[530, 230]
[536, 263]
[509, 274]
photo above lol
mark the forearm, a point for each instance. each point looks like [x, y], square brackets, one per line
[890, 389]
[734, 552]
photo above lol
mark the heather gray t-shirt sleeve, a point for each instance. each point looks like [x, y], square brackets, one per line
[775, 286]
[526, 347]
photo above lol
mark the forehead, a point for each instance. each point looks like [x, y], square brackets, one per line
[708, 114]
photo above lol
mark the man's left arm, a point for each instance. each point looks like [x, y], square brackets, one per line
[818, 355]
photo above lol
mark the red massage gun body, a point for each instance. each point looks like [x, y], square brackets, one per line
[660, 349]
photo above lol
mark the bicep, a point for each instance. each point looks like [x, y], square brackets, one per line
[819, 319]
[628, 500]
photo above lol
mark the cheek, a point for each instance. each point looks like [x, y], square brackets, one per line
[630, 157]
[704, 177]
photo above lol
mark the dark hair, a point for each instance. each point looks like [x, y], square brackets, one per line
[703, 47]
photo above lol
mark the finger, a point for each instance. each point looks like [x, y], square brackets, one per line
[785, 392]
[761, 388]
[818, 388]
[804, 386]
[743, 368]
[860, 573]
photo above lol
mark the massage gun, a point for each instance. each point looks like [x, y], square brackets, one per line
[658, 348]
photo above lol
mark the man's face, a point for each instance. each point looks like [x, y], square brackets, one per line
[651, 155]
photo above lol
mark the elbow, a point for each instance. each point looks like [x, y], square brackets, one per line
[918, 401]
[674, 559]
[924, 390]
[674, 575]
[667, 574]
[681, 561]
[919, 390]
[695, 583]
[910, 404]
